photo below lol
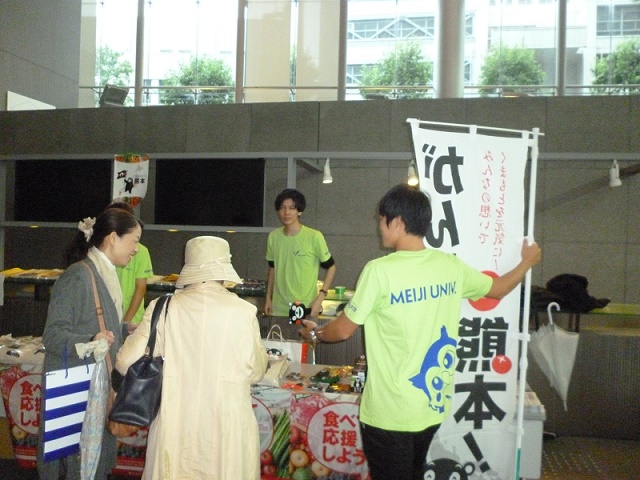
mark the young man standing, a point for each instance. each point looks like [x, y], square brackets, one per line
[295, 254]
[398, 414]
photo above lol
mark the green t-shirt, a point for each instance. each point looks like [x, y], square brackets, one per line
[138, 267]
[296, 261]
[409, 303]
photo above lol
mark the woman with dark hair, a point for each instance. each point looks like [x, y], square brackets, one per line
[133, 279]
[100, 244]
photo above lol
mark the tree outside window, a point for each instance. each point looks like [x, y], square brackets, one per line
[510, 66]
[206, 76]
[405, 69]
[620, 69]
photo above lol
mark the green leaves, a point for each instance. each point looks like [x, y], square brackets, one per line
[510, 66]
[110, 68]
[621, 67]
[405, 66]
[199, 72]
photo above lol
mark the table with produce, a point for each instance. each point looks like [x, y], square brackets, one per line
[309, 425]
[21, 360]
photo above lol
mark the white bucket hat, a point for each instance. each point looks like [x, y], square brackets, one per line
[207, 258]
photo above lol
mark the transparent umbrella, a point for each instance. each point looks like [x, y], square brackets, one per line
[554, 349]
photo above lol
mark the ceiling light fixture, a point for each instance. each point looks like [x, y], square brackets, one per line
[327, 178]
[413, 174]
[614, 175]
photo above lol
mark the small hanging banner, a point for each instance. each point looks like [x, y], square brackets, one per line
[130, 174]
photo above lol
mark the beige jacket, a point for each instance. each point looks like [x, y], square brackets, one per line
[206, 427]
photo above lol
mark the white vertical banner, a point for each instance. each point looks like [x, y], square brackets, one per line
[130, 177]
[476, 186]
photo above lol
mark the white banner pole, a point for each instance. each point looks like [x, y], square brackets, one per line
[524, 334]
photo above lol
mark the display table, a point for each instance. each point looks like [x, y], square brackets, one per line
[614, 314]
[300, 429]
[20, 384]
[306, 433]
[319, 431]
[531, 453]
[24, 297]
[21, 387]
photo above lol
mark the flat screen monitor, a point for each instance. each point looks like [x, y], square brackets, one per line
[210, 192]
[61, 190]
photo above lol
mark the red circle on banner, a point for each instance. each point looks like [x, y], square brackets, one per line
[485, 304]
[501, 364]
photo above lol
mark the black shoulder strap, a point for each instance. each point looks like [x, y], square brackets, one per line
[157, 309]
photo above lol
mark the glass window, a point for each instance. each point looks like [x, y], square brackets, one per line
[384, 37]
[354, 74]
[513, 48]
[190, 44]
[412, 27]
[109, 40]
[292, 47]
[268, 50]
[618, 20]
[468, 25]
[314, 57]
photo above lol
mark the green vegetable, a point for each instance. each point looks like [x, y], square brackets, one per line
[280, 442]
[303, 473]
[283, 472]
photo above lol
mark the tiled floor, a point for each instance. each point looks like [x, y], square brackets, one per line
[573, 458]
[563, 458]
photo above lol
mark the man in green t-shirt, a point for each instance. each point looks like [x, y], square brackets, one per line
[407, 327]
[295, 254]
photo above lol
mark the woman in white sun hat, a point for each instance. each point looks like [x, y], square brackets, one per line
[210, 340]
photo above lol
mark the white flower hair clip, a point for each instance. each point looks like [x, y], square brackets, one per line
[86, 227]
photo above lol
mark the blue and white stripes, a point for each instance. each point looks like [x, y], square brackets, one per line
[65, 404]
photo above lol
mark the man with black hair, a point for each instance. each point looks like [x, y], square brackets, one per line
[410, 323]
[295, 254]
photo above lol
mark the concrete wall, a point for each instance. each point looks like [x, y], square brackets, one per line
[584, 226]
[40, 50]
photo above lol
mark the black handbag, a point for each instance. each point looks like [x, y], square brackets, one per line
[138, 397]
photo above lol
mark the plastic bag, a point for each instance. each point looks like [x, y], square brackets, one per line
[294, 349]
[276, 369]
[94, 420]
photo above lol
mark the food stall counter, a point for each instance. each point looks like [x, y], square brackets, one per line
[309, 425]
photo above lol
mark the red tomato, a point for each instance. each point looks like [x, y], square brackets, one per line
[269, 470]
[294, 435]
[266, 458]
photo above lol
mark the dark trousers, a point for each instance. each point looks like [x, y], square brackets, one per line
[396, 455]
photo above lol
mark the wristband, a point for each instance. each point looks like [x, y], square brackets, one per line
[323, 291]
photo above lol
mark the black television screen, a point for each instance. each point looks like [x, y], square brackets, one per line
[61, 190]
[210, 191]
